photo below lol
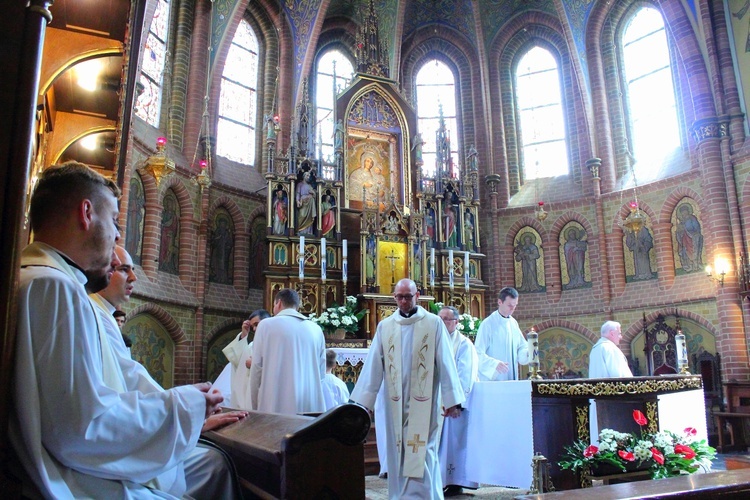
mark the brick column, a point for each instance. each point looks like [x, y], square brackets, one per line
[664, 255]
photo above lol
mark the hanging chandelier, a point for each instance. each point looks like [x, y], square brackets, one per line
[159, 165]
[635, 219]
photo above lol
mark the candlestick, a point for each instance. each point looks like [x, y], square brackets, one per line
[532, 344]
[450, 269]
[466, 271]
[323, 259]
[301, 257]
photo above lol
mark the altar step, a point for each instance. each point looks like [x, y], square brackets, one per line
[372, 464]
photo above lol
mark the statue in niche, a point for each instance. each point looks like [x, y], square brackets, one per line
[471, 159]
[416, 264]
[280, 211]
[417, 147]
[469, 231]
[640, 244]
[269, 123]
[306, 209]
[689, 239]
[575, 257]
[338, 135]
[222, 246]
[370, 266]
[169, 251]
[328, 214]
[136, 214]
[429, 222]
[449, 225]
[527, 253]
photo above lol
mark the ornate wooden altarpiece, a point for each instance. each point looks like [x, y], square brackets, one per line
[381, 218]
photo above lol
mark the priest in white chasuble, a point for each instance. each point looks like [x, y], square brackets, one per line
[411, 354]
[239, 353]
[500, 344]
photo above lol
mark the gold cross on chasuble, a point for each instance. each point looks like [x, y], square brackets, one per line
[415, 443]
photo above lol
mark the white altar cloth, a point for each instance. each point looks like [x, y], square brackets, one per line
[353, 355]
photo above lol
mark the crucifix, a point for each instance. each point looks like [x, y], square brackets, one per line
[393, 258]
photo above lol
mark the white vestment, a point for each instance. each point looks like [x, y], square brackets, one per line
[224, 384]
[289, 364]
[455, 430]
[500, 339]
[75, 435]
[238, 352]
[444, 382]
[607, 361]
[335, 391]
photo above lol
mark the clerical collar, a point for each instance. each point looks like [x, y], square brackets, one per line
[506, 317]
[409, 314]
[69, 261]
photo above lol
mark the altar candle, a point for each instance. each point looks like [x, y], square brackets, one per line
[532, 343]
[322, 258]
[301, 257]
[682, 358]
[344, 249]
[450, 269]
[432, 268]
[466, 271]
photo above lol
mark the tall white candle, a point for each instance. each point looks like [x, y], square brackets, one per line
[322, 259]
[532, 343]
[450, 269]
[432, 268]
[301, 257]
[344, 248]
[466, 271]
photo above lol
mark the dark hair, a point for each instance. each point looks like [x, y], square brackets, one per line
[506, 292]
[288, 297]
[61, 187]
[261, 314]
[119, 314]
[330, 358]
[452, 309]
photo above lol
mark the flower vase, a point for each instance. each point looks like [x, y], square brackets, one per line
[337, 334]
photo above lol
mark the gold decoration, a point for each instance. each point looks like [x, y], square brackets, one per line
[618, 388]
[540, 481]
[583, 431]
[635, 219]
[652, 414]
[158, 164]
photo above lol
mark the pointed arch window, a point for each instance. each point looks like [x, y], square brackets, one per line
[649, 87]
[335, 71]
[235, 131]
[540, 112]
[148, 103]
[436, 90]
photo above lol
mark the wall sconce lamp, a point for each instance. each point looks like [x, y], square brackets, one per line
[720, 275]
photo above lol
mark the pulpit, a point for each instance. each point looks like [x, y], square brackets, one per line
[511, 421]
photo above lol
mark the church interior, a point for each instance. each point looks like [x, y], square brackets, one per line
[592, 154]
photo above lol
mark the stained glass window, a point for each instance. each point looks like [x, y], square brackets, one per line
[148, 103]
[654, 129]
[327, 85]
[436, 90]
[539, 104]
[235, 131]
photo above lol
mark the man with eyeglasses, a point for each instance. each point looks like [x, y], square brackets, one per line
[500, 344]
[411, 355]
[455, 430]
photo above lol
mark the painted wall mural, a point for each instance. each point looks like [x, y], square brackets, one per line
[152, 347]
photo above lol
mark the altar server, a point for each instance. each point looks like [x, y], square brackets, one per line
[500, 344]
[455, 430]
[76, 426]
[411, 352]
[606, 360]
[289, 361]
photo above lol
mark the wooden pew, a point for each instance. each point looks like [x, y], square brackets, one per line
[296, 457]
[738, 411]
[725, 485]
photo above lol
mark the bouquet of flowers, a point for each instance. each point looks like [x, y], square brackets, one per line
[666, 454]
[467, 324]
[344, 317]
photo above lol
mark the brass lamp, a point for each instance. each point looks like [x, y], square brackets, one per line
[158, 164]
[635, 219]
[203, 180]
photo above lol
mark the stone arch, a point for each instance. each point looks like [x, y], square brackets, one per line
[564, 349]
[259, 211]
[593, 247]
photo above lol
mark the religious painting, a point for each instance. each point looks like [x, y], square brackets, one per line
[216, 360]
[575, 268]
[258, 251]
[528, 257]
[169, 249]
[392, 264]
[280, 210]
[152, 347]
[687, 238]
[221, 245]
[640, 255]
[563, 354]
[306, 200]
[372, 168]
[136, 216]
[327, 214]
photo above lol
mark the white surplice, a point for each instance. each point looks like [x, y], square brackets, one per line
[75, 435]
[238, 351]
[445, 383]
[606, 360]
[335, 391]
[454, 439]
[500, 339]
[289, 364]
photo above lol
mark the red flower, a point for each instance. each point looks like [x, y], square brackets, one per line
[686, 451]
[590, 451]
[690, 431]
[639, 418]
[657, 455]
[627, 455]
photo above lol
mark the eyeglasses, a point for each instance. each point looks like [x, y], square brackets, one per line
[445, 320]
[407, 296]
